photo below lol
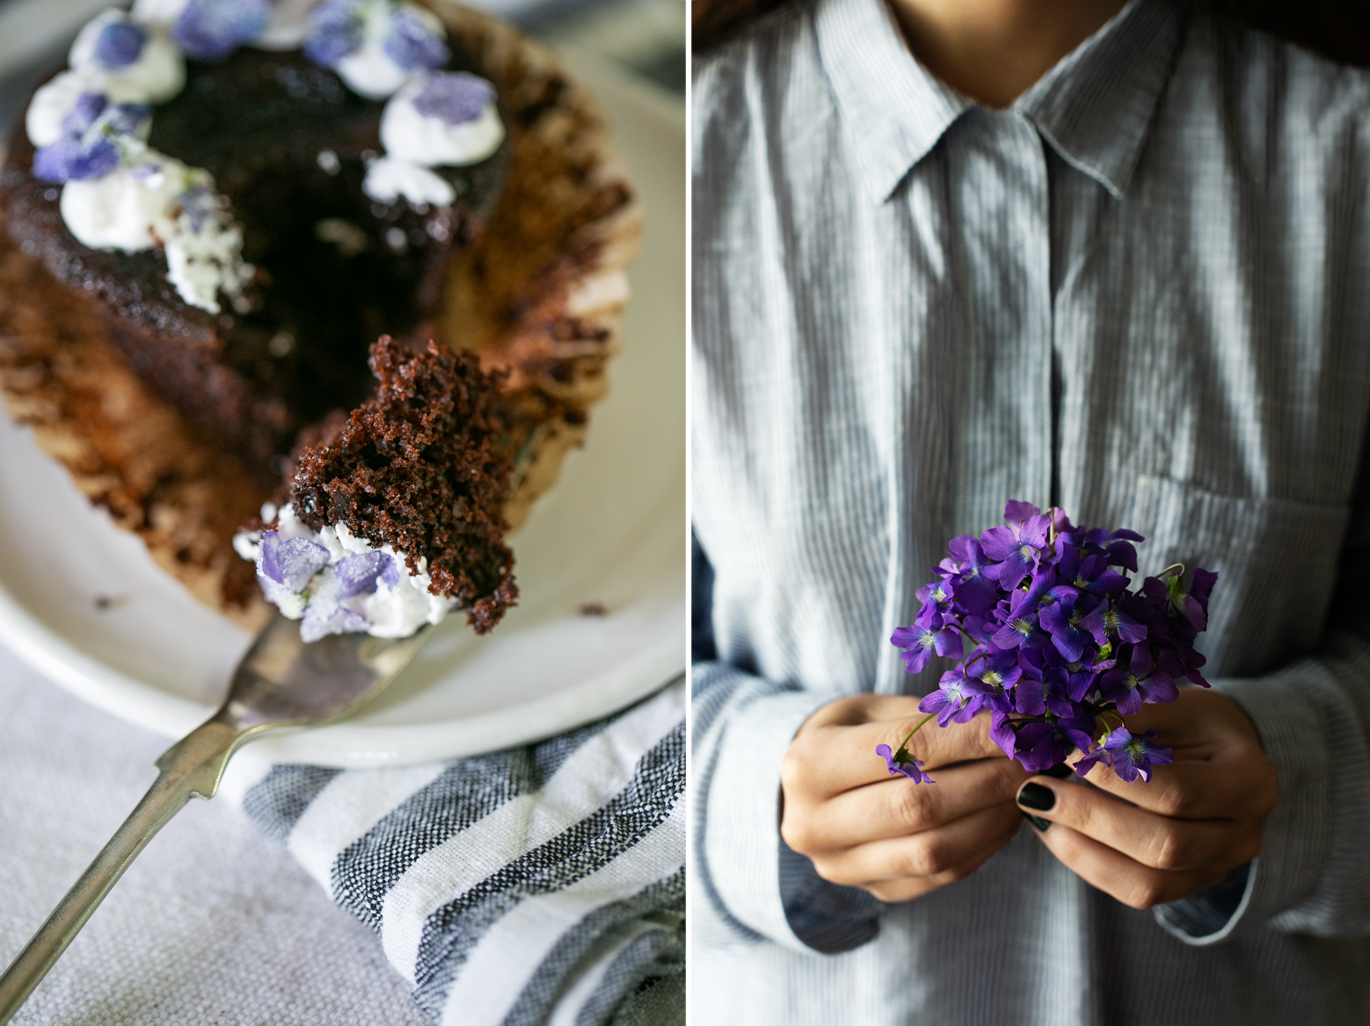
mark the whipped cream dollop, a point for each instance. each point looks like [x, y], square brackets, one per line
[157, 200]
[439, 118]
[375, 46]
[442, 118]
[337, 583]
[130, 63]
[387, 180]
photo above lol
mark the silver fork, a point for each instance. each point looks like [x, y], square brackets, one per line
[280, 683]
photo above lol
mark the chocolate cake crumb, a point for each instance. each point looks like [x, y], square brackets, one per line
[422, 467]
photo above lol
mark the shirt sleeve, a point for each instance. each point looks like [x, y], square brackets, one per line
[748, 884]
[1312, 875]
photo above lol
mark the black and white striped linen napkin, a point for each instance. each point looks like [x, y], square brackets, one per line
[542, 884]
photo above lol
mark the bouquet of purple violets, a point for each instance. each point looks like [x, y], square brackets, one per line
[1052, 643]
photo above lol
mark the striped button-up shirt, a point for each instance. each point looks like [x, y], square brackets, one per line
[1142, 292]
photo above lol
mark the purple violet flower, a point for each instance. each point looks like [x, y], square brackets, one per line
[995, 678]
[902, 762]
[1140, 682]
[1062, 621]
[1039, 746]
[1109, 624]
[210, 30]
[927, 635]
[1090, 573]
[976, 592]
[119, 44]
[1015, 549]
[413, 45]
[952, 702]
[1042, 687]
[1021, 626]
[1133, 755]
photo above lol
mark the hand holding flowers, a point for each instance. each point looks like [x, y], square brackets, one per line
[1053, 644]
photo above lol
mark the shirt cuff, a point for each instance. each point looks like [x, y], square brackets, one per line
[742, 844]
[1296, 836]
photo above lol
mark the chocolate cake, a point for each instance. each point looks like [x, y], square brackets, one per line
[287, 144]
[523, 269]
[420, 467]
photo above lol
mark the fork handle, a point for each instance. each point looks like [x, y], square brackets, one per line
[193, 766]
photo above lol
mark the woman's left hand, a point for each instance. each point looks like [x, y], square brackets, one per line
[1186, 829]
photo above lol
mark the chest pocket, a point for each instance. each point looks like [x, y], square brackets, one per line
[1276, 561]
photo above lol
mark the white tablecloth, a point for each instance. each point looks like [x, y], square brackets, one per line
[214, 923]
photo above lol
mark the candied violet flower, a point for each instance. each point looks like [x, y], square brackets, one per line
[1133, 755]
[90, 145]
[119, 44]
[323, 617]
[952, 701]
[292, 562]
[335, 30]
[454, 97]
[361, 573]
[927, 635]
[1109, 624]
[902, 762]
[413, 44]
[68, 160]
[209, 30]
[84, 113]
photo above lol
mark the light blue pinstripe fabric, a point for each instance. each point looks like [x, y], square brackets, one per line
[1143, 292]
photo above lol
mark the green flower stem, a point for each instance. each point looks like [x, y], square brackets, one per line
[915, 730]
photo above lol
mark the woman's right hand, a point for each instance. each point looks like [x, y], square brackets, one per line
[896, 839]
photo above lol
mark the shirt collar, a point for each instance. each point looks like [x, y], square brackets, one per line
[1095, 106]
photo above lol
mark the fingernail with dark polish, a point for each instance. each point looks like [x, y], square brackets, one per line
[1035, 796]
[1041, 824]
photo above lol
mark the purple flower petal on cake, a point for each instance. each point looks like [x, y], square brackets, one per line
[83, 112]
[359, 573]
[412, 43]
[119, 44]
[128, 119]
[322, 618]
[211, 29]
[291, 562]
[454, 97]
[67, 160]
[335, 30]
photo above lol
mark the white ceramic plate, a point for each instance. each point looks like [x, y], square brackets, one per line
[611, 532]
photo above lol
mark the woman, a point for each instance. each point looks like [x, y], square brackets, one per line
[1113, 258]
